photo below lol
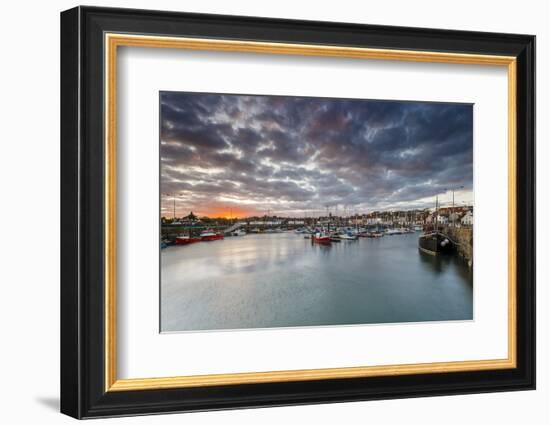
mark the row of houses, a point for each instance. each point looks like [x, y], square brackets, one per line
[462, 216]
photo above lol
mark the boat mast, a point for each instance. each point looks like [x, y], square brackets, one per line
[436, 214]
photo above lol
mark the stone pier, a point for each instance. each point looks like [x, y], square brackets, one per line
[463, 236]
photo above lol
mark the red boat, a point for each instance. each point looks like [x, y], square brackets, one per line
[185, 240]
[321, 238]
[209, 235]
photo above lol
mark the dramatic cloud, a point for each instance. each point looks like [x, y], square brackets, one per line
[245, 155]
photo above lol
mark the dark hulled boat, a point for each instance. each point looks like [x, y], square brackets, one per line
[435, 243]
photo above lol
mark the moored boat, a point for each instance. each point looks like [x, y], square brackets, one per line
[186, 240]
[373, 235]
[238, 232]
[347, 237]
[435, 243]
[321, 238]
[209, 235]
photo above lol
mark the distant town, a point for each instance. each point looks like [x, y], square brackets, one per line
[456, 216]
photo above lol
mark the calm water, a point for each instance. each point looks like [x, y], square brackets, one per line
[280, 280]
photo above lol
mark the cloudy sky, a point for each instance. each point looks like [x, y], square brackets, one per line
[244, 155]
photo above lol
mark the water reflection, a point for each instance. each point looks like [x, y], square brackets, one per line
[280, 280]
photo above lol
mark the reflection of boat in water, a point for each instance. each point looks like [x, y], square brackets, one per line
[435, 243]
[186, 240]
[209, 235]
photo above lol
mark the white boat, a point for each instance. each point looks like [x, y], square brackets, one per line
[238, 232]
[348, 237]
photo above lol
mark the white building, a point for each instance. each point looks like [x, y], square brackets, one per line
[468, 219]
[442, 219]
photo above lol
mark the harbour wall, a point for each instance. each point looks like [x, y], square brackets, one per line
[463, 236]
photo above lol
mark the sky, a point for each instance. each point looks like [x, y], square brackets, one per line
[243, 155]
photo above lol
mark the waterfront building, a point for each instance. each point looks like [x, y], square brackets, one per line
[442, 219]
[467, 219]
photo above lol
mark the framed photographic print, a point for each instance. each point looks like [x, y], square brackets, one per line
[261, 212]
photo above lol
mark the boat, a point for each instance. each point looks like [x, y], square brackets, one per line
[209, 235]
[238, 232]
[435, 243]
[186, 240]
[372, 234]
[348, 237]
[321, 238]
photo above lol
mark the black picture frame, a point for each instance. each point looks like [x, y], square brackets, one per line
[83, 392]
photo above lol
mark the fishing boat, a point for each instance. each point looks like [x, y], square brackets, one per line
[209, 235]
[238, 232]
[435, 243]
[186, 240]
[321, 238]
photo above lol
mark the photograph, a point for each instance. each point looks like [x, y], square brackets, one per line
[287, 211]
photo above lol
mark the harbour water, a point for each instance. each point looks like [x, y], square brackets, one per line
[283, 280]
